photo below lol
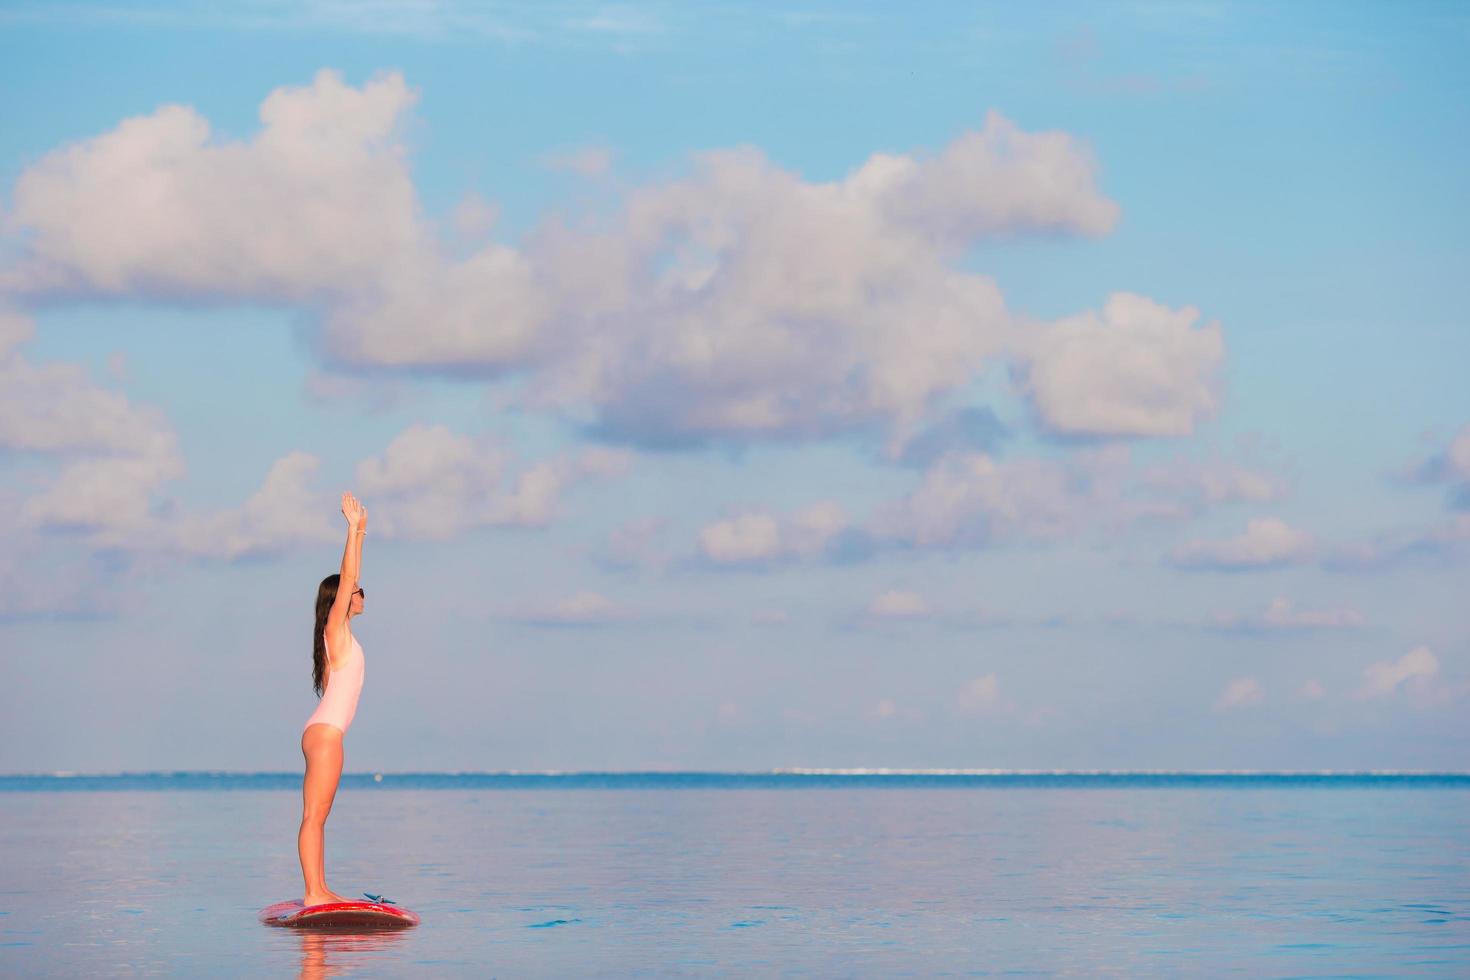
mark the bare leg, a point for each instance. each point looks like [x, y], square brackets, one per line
[322, 746]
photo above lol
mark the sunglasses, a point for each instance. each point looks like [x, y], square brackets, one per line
[361, 592]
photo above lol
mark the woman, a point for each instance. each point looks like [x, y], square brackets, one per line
[337, 669]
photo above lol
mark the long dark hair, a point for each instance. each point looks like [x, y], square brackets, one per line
[326, 594]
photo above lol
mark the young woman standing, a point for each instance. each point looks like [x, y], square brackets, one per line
[337, 670]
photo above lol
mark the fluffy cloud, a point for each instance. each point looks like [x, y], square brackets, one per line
[580, 609]
[998, 181]
[753, 302]
[56, 408]
[1457, 456]
[1452, 466]
[980, 693]
[1242, 692]
[321, 200]
[584, 161]
[1414, 669]
[429, 483]
[759, 536]
[433, 483]
[318, 209]
[478, 315]
[1138, 369]
[1445, 540]
[743, 302]
[286, 513]
[894, 604]
[1266, 543]
[1189, 486]
[113, 454]
[109, 497]
[634, 544]
[740, 302]
[972, 500]
[969, 500]
[1282, 614]
[15, 329]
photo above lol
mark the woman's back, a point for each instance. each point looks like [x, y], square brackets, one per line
[339, 700]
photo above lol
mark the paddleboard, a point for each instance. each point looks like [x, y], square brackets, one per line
[339, 915]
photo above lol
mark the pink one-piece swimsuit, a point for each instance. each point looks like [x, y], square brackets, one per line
[339, 700]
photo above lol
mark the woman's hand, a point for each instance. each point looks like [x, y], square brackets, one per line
[354, 511]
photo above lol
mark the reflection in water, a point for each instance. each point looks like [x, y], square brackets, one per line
[751, 882]
[335, 952]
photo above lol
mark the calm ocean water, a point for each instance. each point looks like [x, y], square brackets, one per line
[749, 875]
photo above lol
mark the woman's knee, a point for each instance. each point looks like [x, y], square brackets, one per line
[315, 813]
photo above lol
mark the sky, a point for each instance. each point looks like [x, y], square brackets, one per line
[738, 386]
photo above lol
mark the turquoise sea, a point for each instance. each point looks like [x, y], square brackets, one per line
[817, 874]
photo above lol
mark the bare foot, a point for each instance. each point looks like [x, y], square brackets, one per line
[322, 898]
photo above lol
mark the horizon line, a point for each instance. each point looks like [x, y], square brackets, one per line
[786, 771]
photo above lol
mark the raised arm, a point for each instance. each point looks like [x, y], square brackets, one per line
[356, 515]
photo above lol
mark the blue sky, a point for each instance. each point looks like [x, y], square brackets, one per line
[734, 387]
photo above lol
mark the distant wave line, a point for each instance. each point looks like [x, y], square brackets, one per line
[748, 773]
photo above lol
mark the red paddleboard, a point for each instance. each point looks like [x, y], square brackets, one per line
[338, 915]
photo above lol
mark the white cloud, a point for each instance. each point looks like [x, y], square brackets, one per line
[975, 500]
[479, 315]
[431, 483]
[972, 499]
[997, 181]
[1445, 540]
[758, 536]
[743, 302]
[474, 217]
[1240, 693]
[108, 496]
[113, 454]
[56, 408]
[320, 200]
[1283, 614]
[885, 709]
[1452, 464]
[1457, 456]
[636, 543]
[895, 604]
[1187, 486]
[744, 538]
[580, 609]
[1266, 543]
[317, 210]
[285, 514]
[1414, 669]
[980, 693]
[1139, 369]
[740, 302]
[15, 329]
[584, 161]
